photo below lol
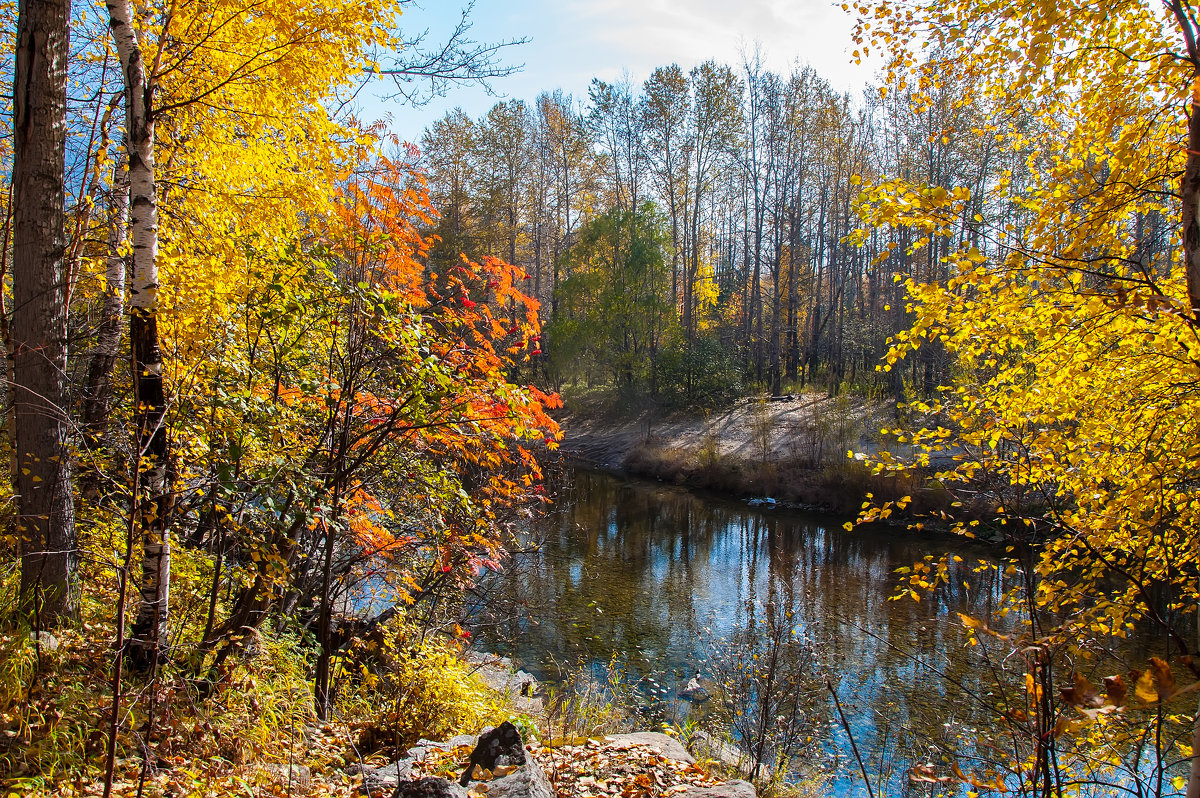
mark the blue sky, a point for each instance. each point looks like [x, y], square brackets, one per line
[573, 41]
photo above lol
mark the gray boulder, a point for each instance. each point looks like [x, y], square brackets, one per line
[730, 789]
[294, 779]
[528, 781]
[500, 674]
[428, 787]
[500, 746]
[668, 746]
[728, 754]
[385, 777]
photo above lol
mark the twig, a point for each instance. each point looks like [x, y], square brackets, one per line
[119, 646]
[853, 745]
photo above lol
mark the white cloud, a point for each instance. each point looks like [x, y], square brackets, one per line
[576, 40]
[642, 34]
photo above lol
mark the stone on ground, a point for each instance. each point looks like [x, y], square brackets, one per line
[667, 746]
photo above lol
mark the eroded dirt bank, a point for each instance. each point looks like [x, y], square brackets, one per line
[791, 449]
[811, 427]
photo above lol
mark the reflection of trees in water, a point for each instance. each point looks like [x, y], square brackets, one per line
[900, 667]
[656, 574]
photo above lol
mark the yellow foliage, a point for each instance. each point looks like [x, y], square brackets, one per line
[414, 686]
[1074, 412]
[1076, 359]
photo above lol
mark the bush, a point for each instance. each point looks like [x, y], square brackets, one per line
[412, 686]
[703, 374]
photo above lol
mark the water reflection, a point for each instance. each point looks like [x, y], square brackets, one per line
[654, 575]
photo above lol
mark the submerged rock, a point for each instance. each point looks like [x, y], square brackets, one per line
[694, 691]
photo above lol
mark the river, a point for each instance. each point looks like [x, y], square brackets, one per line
[658, 580]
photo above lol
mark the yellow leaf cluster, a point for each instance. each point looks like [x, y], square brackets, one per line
[1077, 362]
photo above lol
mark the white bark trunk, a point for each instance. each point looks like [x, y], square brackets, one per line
[150, 629]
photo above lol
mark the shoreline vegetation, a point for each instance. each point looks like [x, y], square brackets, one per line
[402, 691]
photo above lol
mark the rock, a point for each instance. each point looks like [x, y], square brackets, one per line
[292, 779]
[730, 789]
[424, 746]
[428, 787]
[500, 746]
[694, 691]
[667, 746]
[385, 777]
[712, 748]
[517, 686]
[529, 781]
[44, 640]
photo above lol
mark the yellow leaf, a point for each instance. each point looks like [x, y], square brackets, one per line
[1143, 688]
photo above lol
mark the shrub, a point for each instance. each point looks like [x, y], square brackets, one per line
[414, 685]
[702, 374]
[587, 703]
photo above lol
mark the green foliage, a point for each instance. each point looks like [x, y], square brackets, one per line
[262, 703]
[613, 311]
[55, 702]
[702, 374]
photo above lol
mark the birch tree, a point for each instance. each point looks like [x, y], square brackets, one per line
[150, 431]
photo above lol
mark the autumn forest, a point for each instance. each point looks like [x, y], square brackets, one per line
[285, 395]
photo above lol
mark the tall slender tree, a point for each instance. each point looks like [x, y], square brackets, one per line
[150, 405]
[45, 508]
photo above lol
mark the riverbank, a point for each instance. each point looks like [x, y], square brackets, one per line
[561, 759]
[791, 449]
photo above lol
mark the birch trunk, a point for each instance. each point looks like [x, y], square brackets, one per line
[42, 479]
[149, 631]
[97, 396]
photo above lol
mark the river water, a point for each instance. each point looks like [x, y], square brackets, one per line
[658, 580]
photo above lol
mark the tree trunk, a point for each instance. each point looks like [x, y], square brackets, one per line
[97, 395]
[1190, 195]
[153, 500]
[42, 480]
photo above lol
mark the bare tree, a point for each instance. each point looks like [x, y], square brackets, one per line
[422, 72]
